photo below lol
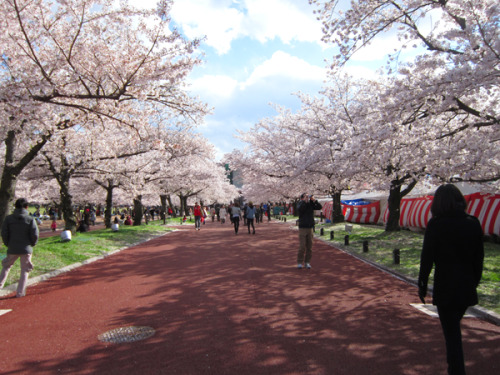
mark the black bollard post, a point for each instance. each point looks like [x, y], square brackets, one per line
[396, 254]
[321, 232]
[346, 239]
[365, 246]
[332, 235]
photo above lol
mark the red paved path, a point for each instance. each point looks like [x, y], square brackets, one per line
[226, 304]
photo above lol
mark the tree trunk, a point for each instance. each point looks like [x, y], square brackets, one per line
[163, 199]
[174, 211]
[181, 205]
[12, 171]
[7, 193]
[337, 214]
[294, 204]
[66, 202]
[394, 202]
[186, 208]
[109, 204]
[138, 210]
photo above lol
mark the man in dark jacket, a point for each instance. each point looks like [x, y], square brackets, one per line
[305, 208]
[19, 234]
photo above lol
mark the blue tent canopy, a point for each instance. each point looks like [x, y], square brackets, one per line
[356, 202]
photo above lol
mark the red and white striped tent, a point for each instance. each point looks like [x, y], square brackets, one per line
[416, 212]
[486, 207]
[367, 213]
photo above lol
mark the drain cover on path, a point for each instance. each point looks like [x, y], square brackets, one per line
[126, 334]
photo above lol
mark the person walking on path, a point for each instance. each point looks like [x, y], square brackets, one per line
[250, 214]
[269, 211]
[235, 213]
[197, 216]
[230, 212]
[453, 242]
[305, 208]
[222, 214]
[19, 234]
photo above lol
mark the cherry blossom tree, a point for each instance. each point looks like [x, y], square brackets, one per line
[62, 59]
[332, 123]
[316, 148]
[197, 177]
[269, 162]
[455, 74]
[439, 111]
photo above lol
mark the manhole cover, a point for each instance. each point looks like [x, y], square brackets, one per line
[126, 334]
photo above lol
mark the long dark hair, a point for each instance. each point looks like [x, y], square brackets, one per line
[448, 200]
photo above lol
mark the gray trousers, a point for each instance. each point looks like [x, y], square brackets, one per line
[26, 268]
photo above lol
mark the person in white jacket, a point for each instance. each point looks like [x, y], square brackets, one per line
[222, 214]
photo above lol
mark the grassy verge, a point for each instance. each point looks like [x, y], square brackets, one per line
[51, 254]
[380, 250]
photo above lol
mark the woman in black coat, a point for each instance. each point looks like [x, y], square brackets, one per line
[453, 242]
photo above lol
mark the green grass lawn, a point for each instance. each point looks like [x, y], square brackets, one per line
[380, 250]
[51, 254]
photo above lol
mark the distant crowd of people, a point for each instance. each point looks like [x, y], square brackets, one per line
[249, 213]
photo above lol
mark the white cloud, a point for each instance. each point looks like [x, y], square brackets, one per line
[263, 20]
[281, 64]
[213, 19]
[218, 86]
[283, 19]
[281, 72]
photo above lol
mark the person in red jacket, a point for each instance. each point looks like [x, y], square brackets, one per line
[197, 216]
[453, 243]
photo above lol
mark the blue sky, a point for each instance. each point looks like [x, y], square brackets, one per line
[257, 52]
